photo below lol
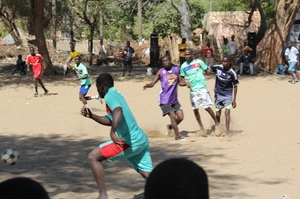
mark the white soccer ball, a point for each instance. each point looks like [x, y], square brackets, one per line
[10, 156]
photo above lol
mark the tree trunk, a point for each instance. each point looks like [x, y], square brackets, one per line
[263, 24]
[54, 23]
[185, 23]
[272, 52]
[37, 7]
[140, 18]
[11, 27]
[91, 46]
[101, 33]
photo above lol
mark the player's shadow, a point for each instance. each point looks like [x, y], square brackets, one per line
[209, 132]
[186, 133]
[51, 94]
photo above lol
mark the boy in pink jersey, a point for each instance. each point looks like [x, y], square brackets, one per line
[168, 101]
[35, 61]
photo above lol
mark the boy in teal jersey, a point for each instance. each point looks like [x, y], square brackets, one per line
[128, 140]
[193, 69]
[85, 80]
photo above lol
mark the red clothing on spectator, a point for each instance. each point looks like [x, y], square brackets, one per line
[209, 52]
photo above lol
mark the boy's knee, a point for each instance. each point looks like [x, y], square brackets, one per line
[179, 119]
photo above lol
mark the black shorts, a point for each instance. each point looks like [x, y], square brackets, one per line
[167, 108]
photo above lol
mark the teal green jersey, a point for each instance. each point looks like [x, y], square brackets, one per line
[193, 71]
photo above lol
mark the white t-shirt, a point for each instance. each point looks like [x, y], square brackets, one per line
[292, 54]
[232, 45]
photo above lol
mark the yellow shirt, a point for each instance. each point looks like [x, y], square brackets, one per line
[74, 54]
[182, 47]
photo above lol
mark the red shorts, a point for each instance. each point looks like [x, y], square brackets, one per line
[37, 72]
[112, 149]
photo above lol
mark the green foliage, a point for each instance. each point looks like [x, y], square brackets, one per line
[167, 21]
[158, 16]
[229, 5]
[3, 31]
[197, 13]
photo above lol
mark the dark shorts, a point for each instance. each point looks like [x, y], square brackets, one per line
[167, 108]
[127, 64]
[223, 102]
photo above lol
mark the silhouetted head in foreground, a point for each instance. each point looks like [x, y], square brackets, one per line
[177, 178]
[24, 188]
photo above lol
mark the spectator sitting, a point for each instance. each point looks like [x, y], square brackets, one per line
[282, 69]
[20, 65]
[246, 60]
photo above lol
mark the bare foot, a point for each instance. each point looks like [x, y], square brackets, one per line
[201, 133]
[104, 196]
[218, 130]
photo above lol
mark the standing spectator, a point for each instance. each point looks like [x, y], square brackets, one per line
[128, 140]
[233, 47]
[193, 69]
[85, 80]
[182, 47]
[74, 53]
[168, 98]
[292, 56]
[225, 49]
[127, 56]
[225, 90]
[208, 54]
[35, 60]
[246, 60]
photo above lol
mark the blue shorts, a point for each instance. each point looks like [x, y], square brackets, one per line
[222, 102]
[84, 89]
[138, 156]
[292, 66]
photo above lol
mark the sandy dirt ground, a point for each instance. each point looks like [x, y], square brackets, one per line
[261, 160]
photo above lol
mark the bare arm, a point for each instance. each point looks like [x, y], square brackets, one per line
[150, 85]
[70, 60]
[78, 78]
[235, 89]
[182, 81]
[287, 58]
[28, 67]
[86, 112]
[117, 118]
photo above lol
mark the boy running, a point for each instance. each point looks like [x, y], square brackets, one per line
[193, 69]
[85, 80]
[128, 140]
[35, 60]
[225, 89]
[168, 101]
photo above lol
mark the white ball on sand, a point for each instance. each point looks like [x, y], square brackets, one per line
[10, 156]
